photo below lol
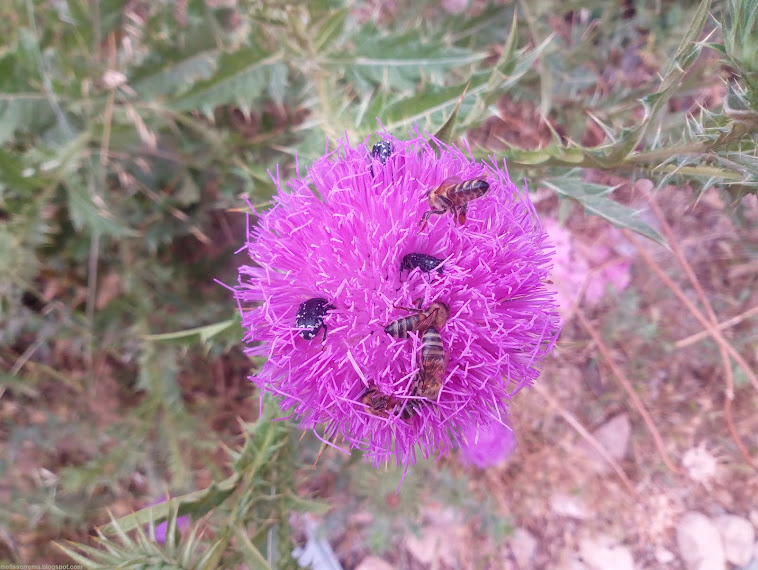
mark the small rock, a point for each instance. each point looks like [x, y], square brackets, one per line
[523, 545]
[600, 554]
[361, 518]
[613, 435]
[113, 79]
[569, 506]
[738, 536]
[436, 544]
[664, 555]
[573, 563]
[700, 464]
[374, 563]
[700, 543]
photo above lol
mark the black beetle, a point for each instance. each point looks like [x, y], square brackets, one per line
[310, 317]
[382, 150]
[424, 262]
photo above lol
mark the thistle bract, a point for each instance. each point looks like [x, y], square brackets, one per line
[339, 233]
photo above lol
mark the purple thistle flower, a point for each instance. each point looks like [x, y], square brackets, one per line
[338, 236]
[487, 445]
[182, 523]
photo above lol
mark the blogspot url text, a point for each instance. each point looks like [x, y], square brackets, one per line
[41, 567]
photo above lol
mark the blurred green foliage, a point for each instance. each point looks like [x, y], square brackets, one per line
[128, 131]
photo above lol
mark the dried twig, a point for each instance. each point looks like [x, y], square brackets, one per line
[712, 330]
[724, 346]
[697, 337]
[729, 374]
[574, 423]
[627, 385]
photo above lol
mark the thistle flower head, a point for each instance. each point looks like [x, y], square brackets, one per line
[327, 276]
[487, 445]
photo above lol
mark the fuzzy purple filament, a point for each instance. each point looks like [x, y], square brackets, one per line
[340, 233]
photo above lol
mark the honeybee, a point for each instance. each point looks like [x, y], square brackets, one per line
[434, 316]
[381, 404]
[453, 196]
[433, 364]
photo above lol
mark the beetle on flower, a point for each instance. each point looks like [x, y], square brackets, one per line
[339, 235]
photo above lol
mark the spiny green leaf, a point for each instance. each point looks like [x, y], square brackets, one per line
[510, 71]
[205, 333]
[430, 105]
[241, 77]
[689, 43]
[111, 14]
[308, 505]
[329, 29]
[484, 29]
[399, 61]
[445, 133]
[15, 260]
[506, 73]
[23, 112]
[251, 555]
[594, 198]
[172, 77]
[90, 211]
[428, 108]
[196, 503]
[12, 173]
[78, 558]
[158, 374]
[552, 155]
[610, 156]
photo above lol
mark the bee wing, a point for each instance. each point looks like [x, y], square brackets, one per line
[450, 180]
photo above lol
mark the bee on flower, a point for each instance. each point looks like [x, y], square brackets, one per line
[339, 236]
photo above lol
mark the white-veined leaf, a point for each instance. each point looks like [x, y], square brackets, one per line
[241, 77]
[23, 112]
[594, 197]
[400, 61]
[174, 77]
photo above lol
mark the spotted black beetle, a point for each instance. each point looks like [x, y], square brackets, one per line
[424, 262]
[382, 150]
[310, 317]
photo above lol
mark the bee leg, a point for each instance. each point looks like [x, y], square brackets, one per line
[416, 309]
[427, 215]
[425, 219]
[462, 214]
[416, 383]
[328, 307]
[408, 411]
